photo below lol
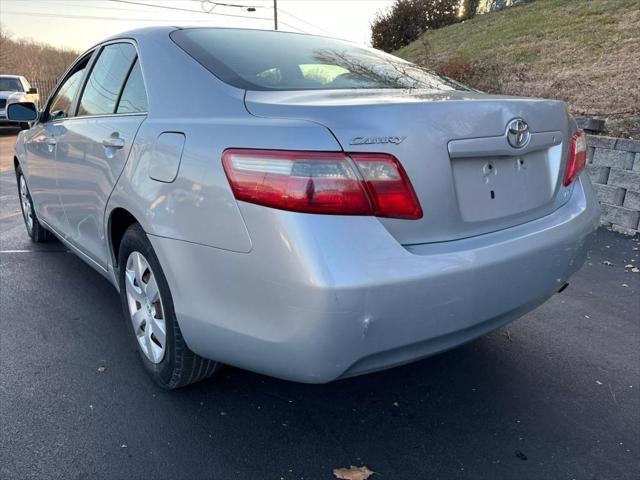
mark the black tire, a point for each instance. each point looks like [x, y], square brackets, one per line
[37, 232]
[179, 366]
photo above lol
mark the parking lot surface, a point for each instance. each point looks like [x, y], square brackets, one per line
[555, 395]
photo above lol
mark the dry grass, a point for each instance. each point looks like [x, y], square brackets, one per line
[584, 52]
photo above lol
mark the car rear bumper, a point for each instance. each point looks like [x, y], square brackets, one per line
[322, 297]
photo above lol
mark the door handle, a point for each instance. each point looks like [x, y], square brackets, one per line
[113, 142]
[51, 142]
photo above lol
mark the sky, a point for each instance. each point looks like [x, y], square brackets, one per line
[79, 24]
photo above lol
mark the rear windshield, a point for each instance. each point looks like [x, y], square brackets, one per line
[267, 60]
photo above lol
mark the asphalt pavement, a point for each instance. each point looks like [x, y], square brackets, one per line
[555, 395]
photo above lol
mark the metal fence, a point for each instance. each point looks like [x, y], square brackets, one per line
[44, 86]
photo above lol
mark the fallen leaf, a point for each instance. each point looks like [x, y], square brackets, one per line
[598, 382]
[625, 285]
[635, 270]
[101, 369]
[607, 263]
[521, 455]
[628, 266]
[353, 473]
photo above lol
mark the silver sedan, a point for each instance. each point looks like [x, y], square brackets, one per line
[297, 205]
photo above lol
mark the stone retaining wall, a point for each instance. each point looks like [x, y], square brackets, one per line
[614, 167]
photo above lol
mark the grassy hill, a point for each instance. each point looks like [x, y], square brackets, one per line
[585, 52]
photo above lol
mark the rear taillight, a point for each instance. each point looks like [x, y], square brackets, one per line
[322, 182]
[388, 186]
[577, 157]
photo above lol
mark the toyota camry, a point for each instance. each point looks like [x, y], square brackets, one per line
[297, 205]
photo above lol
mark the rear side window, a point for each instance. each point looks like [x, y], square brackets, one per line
[266, 60]
[134, 96]
[107, 77]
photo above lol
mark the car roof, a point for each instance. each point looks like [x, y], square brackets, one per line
[144, 31]
[156, 31]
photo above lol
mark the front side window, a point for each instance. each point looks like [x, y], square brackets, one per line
[107, 77]
[134, 96]
[62, 102]
[264, 60]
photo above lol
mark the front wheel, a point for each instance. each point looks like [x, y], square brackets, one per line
[147, 303]
[36, 232]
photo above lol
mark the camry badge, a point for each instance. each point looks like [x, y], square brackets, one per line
[376, 140]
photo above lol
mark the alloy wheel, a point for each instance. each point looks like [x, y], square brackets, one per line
[145, 307]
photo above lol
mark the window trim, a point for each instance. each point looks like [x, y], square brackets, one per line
[92, 55]
[100, 48]
[136, 61]
[89, 57]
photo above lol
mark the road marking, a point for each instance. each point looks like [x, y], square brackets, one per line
[32, 251]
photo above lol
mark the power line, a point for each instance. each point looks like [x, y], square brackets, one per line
[128, 19]
[91, 17]
[207, 13]
[280, 22]
[306, 22]
[86, 4]
[228, 4]
[152, 5]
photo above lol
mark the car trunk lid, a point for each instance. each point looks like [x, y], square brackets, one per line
[454, 147]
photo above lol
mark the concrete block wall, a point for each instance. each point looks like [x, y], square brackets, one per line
[614, 167]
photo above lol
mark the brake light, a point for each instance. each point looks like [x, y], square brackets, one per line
[388, 186]
[577, 157]
[322, 182]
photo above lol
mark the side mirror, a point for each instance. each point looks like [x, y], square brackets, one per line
[32, 91]
[22, 112]
[57, 115]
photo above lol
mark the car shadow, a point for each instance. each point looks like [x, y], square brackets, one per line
[8, 131]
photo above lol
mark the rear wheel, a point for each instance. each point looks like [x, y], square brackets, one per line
[148, 305]
[36, 232]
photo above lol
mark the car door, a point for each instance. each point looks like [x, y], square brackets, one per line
[40, 145]
[94, 145]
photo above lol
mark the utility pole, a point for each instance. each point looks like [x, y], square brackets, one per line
[275, 14]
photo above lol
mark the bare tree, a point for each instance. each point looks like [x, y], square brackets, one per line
[34, 60]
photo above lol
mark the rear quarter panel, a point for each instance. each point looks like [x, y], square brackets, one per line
[198, 206]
